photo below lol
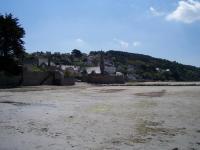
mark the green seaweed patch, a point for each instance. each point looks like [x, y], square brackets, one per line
[145, 104]
[145, 128]
[100, 108]
[131, 140]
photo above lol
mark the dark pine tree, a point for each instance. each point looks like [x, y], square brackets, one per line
[11, 34]
[11, 43]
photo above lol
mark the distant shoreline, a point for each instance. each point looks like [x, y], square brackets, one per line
[157, 84]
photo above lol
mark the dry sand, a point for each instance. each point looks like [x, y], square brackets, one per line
[87, 117]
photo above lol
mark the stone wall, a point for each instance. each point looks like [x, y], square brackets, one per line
[36, 78]
[68, 81]
[105, 79]
[49, 78]
[7, 81]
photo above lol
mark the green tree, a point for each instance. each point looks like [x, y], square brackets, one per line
[11, 34]
[76, 53]
[11, 44]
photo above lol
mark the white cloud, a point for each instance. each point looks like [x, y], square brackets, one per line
[136, 43]
[188, 11]
[79, 40]
[154, 12]
[123, 44]
[79, 43]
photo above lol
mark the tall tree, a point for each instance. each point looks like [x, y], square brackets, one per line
[11, 44]
[76, 53]
[11, 34]
[102, 65]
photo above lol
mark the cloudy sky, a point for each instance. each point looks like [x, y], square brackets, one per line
[167, 29]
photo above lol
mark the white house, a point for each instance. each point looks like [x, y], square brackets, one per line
[96, 70]
[64, 67]
[119, 74]
[44, 62]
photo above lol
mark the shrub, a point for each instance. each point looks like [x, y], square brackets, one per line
[68, 74]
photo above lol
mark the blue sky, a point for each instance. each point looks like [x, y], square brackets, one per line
[167, 29]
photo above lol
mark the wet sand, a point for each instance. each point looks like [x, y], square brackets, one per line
[89, 117]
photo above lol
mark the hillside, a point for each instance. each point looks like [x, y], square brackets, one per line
[133, 66]
[150, 68]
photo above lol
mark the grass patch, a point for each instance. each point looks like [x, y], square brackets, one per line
[100, 108]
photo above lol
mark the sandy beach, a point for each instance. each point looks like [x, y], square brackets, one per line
[90, 117]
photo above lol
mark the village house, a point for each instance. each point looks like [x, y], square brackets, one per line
[109, 67]
[119, 74]
[74, 70]
[89, 61]
[45, 62]
[91, 70]
[42, 62]
[162, 70]
[111, 70]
